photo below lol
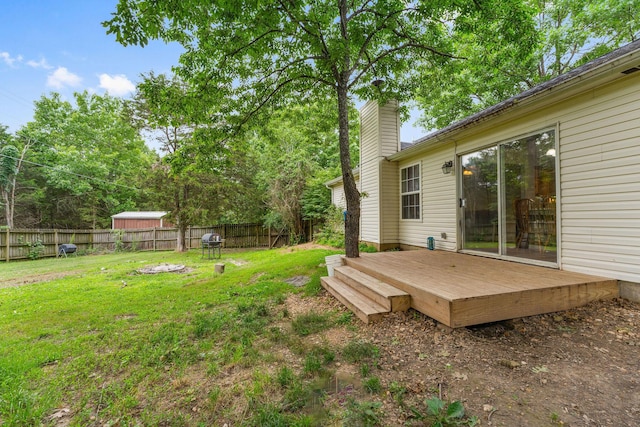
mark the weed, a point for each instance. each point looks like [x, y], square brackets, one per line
[285, 377]
[366, 414]
[398, 392]
[345, 318]
[365, 369]
[441, 414]
[372, 385]
[312, 364]
[207, 324]
[357, 351]
[311, 323]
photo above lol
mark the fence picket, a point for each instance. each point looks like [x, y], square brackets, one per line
[13, 242]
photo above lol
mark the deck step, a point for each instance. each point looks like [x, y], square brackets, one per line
[393, 299]
[365, 308]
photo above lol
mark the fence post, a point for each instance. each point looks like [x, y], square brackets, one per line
[8, 244]
[154, 239]
[55, 240]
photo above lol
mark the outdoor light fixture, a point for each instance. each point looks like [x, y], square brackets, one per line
[447, 166]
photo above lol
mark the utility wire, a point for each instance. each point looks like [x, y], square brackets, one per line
[73, 173]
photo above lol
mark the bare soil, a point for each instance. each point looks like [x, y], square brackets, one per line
[575, 368]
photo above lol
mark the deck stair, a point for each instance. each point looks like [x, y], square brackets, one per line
[369, 298]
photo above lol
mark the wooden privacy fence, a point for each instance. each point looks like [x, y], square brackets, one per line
[20, 243]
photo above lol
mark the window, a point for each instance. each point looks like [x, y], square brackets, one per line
[410, 192]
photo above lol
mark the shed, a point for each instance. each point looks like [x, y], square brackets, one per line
[143, 219]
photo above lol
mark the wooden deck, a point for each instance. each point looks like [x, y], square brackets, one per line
[461, 290]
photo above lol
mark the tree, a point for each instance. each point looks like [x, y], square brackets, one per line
[187, 179]
[291, 148]
[85, 159]
[249, 54]
[569, 33]
[11, 160]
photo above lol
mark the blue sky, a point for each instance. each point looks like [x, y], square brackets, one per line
[60, 46]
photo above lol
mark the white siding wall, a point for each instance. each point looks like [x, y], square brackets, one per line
[438, 202]
[369, 173]
[600, 182]
[337, 194]
[380, 127]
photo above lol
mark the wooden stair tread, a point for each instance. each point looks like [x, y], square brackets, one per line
[393, 299]
[371, 282]
[365, 308]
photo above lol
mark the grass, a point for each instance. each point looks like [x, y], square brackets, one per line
[91, 336]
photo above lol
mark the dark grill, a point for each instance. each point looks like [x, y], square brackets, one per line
[212, 241]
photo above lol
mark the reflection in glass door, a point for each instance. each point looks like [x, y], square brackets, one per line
[528, 175]
[479, 200]
[508, 198]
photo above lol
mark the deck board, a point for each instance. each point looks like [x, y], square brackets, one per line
[461, 290]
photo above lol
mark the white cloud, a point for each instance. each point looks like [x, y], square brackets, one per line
[9, 60]
[63, 77]
[39, 64]
[118, 85]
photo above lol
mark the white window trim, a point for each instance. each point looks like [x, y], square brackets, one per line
[419, 193]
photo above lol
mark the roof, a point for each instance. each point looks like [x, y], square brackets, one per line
[140, 215]
[338, 180]
[578, 75]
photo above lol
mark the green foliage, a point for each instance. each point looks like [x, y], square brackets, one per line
[326, 50]
[80, 194]
[362, 414]
[358, 351]
[35, 248]
[372, 385]
[494, 66]
[332, 233]
[441, 414]
[311, 323]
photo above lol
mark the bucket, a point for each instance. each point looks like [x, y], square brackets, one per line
[431, 243]
[332, 261]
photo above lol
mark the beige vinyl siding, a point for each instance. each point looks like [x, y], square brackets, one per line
[438, 202]
[337, 196]
[337, 193]
[391, 206]
[369, 174]
[600, 183]
[380, 128]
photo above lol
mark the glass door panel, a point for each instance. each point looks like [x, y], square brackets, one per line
[479, 201]
[529, 192]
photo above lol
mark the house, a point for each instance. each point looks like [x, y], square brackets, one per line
[337, 189]
[133, 220]
[548, 177]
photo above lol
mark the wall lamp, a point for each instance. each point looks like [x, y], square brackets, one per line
[447, 166]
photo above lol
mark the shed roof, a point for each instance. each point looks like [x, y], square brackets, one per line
[140, 215]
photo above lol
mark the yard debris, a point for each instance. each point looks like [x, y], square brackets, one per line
[298, 281]
[162, 268]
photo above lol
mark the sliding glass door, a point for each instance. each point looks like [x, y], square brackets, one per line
[479, 200]
[508, 203]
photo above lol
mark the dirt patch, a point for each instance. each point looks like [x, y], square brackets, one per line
[577, 368]
[34, 278]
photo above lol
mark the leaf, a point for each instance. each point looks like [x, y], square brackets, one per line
[434, 405]
[455, 410]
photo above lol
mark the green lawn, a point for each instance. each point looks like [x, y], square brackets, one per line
[90, 340]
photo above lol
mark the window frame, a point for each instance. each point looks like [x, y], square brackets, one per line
[408, 192]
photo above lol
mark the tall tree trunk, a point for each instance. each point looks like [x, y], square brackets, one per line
[352, 195]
